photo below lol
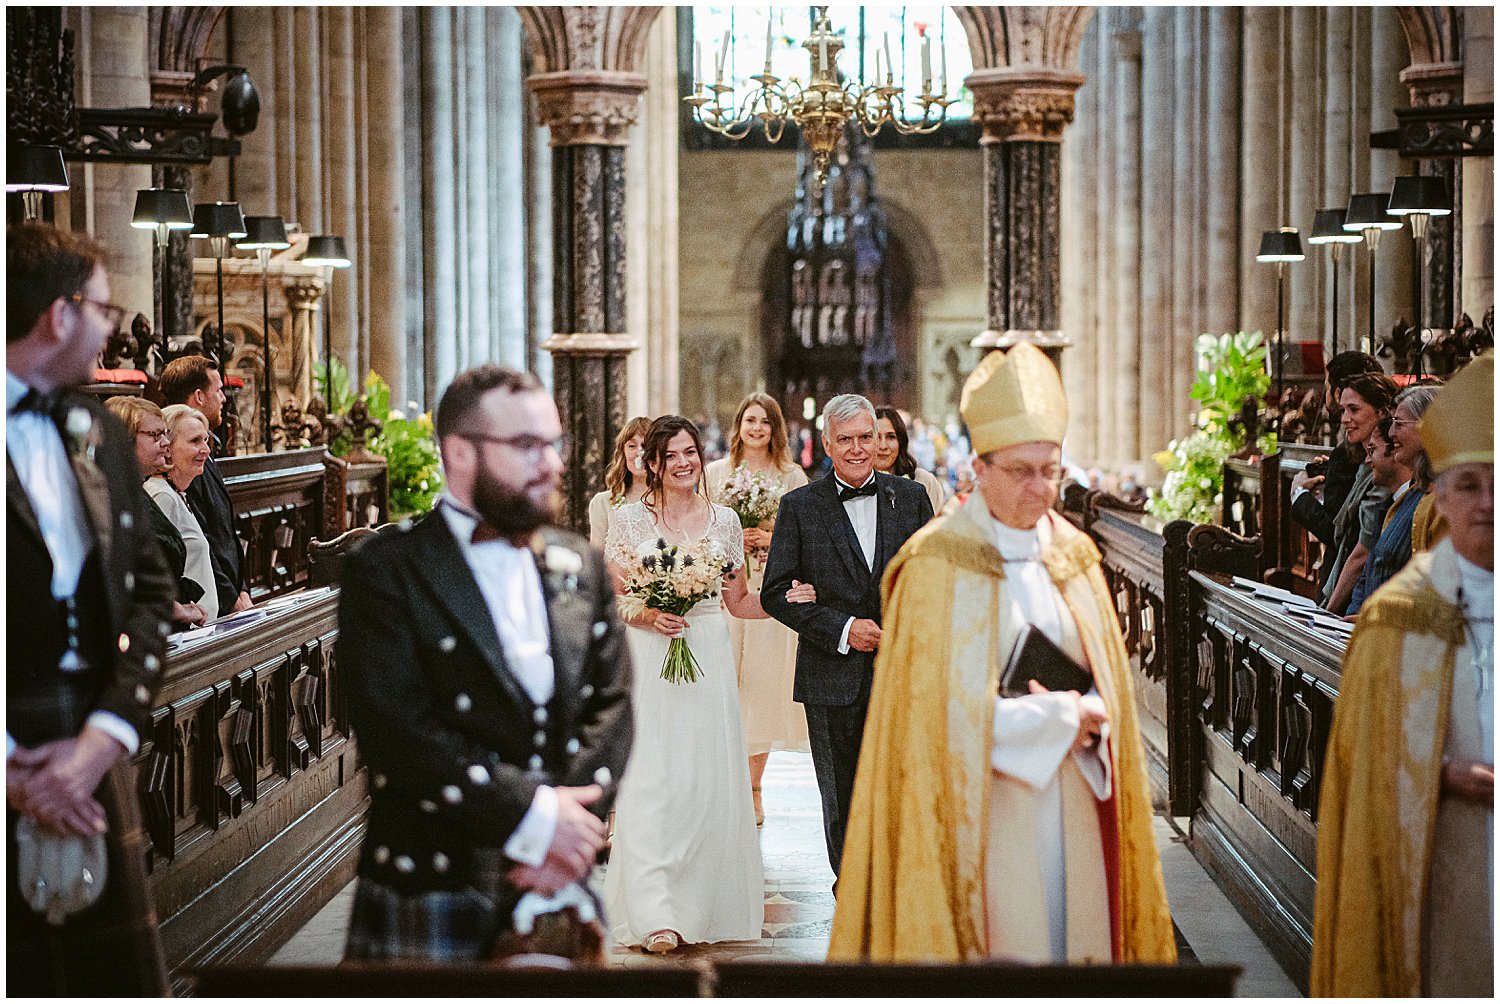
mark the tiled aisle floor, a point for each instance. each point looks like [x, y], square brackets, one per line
[799, 904]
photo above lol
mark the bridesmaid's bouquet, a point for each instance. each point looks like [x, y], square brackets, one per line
[751, 495]
[673, 578]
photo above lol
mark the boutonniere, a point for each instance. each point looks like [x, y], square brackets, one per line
[563, 564]
[83, 439]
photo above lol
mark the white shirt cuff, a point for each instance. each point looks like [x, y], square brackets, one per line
[529, 843]
[1094, 762]
[844, 638]
[1298, 492]
[117, 728]
[10, 746]
[1032, 735]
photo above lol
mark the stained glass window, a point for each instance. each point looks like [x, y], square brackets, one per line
[898, 30]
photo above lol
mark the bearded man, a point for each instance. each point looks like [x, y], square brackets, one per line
[986, 824]
[490, 684]
[1406, 817]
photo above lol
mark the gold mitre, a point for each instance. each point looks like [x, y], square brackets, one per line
[1014, 397]
[1459, 425]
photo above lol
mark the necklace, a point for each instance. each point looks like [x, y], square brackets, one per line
[1484, 655]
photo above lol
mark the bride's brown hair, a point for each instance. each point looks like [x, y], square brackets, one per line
[662, 432]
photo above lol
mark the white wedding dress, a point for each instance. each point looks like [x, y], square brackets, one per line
[686, 854]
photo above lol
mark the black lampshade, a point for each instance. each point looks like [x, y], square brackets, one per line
[1328, 228]
[162, 207]
[326, 250]
[1367, 211]
[218, 219]
[264, 232]
[35, 169]
[1280, 245]
[1419, 194]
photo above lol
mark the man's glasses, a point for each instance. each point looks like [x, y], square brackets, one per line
[113, 313]
[1052, 473]
[532, 446]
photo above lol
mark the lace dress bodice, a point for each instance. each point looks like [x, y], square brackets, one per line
[634, 528]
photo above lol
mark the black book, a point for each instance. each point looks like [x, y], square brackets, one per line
[1035, 657]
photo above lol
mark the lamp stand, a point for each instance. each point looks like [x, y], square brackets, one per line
[1418, 240]
[264, 256]
[328, 340]
[31, 205]
[1338, 249]
[1372, 238]
[1280, 344]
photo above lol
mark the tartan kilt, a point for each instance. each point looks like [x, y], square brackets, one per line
[435, 926]
[111, 949]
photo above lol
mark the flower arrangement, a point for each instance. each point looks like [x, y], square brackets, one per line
[672, 578]
[407, 444]
[1231, 371]
[753, 496]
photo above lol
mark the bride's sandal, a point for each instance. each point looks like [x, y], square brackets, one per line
[760, 812]
[661, 942]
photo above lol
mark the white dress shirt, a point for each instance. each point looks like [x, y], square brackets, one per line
[36, 452]
[862, 513]
[512, 589]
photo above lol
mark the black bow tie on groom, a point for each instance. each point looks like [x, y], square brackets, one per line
[846, 493]
[38, 402]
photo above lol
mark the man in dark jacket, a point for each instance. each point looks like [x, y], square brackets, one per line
[490, 690]
[838, 533]
[195, 381]
[87, 602]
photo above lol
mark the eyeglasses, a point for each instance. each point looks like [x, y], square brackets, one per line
[532, 446]
[113, 313]
[1023, 472]
[161, 434]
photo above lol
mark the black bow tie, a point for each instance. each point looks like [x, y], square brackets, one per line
[846, 493]
[38, 402]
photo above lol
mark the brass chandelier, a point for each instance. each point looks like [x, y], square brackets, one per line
[823, 106]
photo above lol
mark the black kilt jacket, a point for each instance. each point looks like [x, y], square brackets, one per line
[455, 746]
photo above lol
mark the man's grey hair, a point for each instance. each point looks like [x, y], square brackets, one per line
[1416, 399]
[845, 407]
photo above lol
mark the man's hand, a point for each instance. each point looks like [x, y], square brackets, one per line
[59, 793]
[243, 603]
[1470, 780]
[864, 635]
[1091, 716]
[1301, 480]
[801, 592]
[188, 614]
[576, 841]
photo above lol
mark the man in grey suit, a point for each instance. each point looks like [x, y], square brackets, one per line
[838, 534]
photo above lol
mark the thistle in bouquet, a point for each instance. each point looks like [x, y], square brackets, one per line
[673, 578]
[753, 497]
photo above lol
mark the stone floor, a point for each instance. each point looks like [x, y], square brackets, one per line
[799, 904]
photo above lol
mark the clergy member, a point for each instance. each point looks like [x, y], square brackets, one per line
[988, 826]
[1406, 823]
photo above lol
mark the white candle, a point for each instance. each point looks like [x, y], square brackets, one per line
[943, 65]
[926, 64]
[697, 64]
[768, 44]
[889, 66]
[723, 56]
[823, 53]
[877, 67]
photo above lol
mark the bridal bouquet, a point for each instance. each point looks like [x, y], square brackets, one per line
[673, 578]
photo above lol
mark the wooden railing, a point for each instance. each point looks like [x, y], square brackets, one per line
[252, 794]
[1235, 700]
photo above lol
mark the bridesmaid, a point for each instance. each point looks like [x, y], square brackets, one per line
[624, 480]
[893, 455]
[765, 651]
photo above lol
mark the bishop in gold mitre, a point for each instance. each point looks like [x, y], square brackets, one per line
[985, 826]
[1406, 817]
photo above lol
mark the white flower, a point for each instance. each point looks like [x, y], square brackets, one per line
[79, 422]
[562, 560]
[422, 484]
[398, 414]
[413, 406]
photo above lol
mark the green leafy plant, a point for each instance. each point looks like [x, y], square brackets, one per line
[407, 444]
[1231, 371]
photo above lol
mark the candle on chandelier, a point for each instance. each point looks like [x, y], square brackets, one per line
[942, 69]
[926, 64]
[723, 57]
[877, 67]
[768, 45]
[889, 66]
[697, 64]
[823, 53]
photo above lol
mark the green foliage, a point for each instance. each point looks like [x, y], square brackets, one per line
[1231, 370]
[407, 444]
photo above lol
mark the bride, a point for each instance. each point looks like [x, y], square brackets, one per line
[685, 865]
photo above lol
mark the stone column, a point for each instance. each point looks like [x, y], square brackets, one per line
[1222, 139]
[1260, 192]
[1306, 82]
[1127, 231]
[1477, 291]
[1188, 216]
[1337, 143]
[1394, 263]
[1081, 178]
[1024, 114]
[303, 294]
[1162, 196]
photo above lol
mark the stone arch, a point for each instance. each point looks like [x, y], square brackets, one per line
[608, 39]
[1025, 37]
[904, 225]
[179, 37]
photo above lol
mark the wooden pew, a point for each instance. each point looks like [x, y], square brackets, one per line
[252, 792]
[1257, 503]
[370, 979]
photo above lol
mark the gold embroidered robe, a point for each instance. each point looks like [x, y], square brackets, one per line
[1390, 848]
[912, 886]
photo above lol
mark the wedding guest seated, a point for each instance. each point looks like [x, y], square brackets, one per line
[144, 421]
[624, 480]
[1364, 401]
[187, 433]
[1428, 526]
[893, 455]
[1343, 462]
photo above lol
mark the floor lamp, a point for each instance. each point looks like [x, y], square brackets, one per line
[324, 251]
[1419, 198]
[218, 223]
[162, 210]
[1367, 214]
[35, 171]
[263, 235]
[1280, 247]
[1328, 228]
